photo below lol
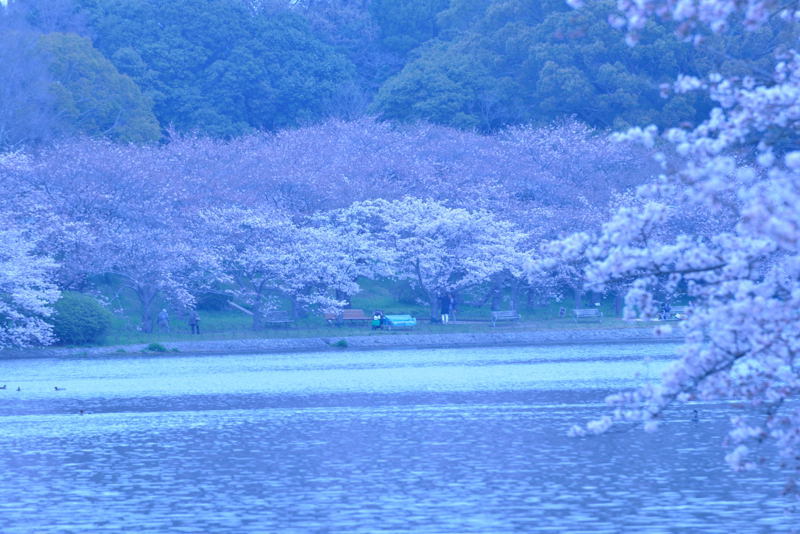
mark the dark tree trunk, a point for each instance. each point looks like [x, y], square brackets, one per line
[258, 316]
[147, 296]
[433, 301]
[486, 298]
[497, 298]
[578, 297]
[619, 304]
[256, 289]
[515, 285]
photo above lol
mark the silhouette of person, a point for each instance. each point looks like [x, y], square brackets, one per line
[163, 319]
[446, 301]
[194, 322]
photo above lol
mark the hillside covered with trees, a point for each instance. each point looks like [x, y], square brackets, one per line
[132, 70]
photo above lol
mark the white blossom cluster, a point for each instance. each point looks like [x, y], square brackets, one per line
[741, 268]
[27, 295]
[26, 290]
[436, 248]
[693, 15]
[262, 252]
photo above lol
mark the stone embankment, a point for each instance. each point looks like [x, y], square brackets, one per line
[395, 340]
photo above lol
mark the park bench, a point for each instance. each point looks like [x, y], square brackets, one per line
[399, 321]
[277, 318]
[504, 315]
[587, 313]
[345, 316]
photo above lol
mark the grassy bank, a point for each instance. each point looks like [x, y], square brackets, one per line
[218, 325]
[221, 322]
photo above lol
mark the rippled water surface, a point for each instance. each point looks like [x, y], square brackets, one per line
[456, 441]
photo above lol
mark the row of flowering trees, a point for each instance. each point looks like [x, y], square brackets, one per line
[258, 254]
[301, 214]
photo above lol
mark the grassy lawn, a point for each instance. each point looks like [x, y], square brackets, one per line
[229, 323]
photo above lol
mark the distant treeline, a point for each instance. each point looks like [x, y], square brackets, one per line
[132, 70]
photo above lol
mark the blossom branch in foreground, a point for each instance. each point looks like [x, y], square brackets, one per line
[741, 269]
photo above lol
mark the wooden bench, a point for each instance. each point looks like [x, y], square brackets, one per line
[504, 315]
[348, 315]
[277, 317]
[399, 321]
[587, 313]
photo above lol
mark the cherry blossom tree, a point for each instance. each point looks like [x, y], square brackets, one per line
[121, 210]
[566, 179]
[438, 249]
[265, 257]
[26, 292]
[332, 164]
[743, 332]
[154, 263]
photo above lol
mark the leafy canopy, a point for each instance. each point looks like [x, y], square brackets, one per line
[217, 66]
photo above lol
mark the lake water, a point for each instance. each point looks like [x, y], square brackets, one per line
[429, 441]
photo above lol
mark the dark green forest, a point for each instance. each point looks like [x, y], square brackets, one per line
[134, 70]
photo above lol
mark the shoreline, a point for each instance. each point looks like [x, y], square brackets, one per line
[348, 343]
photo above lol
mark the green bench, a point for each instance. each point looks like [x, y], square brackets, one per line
[399, 321]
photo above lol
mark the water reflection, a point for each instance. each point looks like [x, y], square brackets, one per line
[406, 441]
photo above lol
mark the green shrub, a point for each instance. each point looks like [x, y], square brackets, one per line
[156, 347]
[79, 319]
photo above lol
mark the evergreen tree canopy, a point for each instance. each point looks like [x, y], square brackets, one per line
[521, 61]
[92, 96]
[219, 67]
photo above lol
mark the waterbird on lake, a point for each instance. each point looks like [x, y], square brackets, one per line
[695, 416]
[19, 388]
[59, 389]
[3, 386]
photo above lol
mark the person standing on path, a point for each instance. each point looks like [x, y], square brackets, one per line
[194, 322]
[445, 301]
[163, 319]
